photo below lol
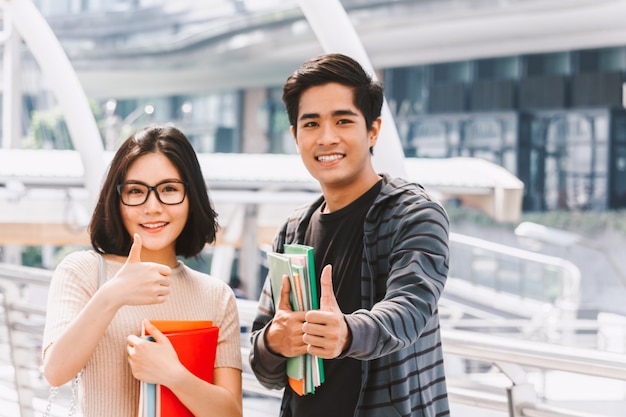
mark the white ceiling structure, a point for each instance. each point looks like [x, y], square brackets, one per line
[261, 48]
[200, 46]
[188, 46]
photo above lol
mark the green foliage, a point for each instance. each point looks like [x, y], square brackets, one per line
[587, 223]
[49, 130]
[63, 251]
[460, 214]
[201, 263]
[31, 256]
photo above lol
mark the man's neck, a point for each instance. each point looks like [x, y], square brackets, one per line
[337, 198]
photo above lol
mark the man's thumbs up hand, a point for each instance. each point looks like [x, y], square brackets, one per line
[284, 336]
[325, 330]
[328, 302]
[285, 290]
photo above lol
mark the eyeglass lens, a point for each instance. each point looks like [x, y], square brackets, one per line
[167, 193]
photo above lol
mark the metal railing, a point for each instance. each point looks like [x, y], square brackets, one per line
[23, 319]
[514, 358]
[517, 359]
[533, 278]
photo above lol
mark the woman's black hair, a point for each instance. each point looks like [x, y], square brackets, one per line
[106, 229]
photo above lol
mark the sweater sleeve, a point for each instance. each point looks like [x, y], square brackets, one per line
[268, 367]
[411, 267]
[229, 343]
[73, 283]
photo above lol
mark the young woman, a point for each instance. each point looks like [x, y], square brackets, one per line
[153, 207]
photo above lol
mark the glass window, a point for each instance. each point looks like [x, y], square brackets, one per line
[429, 139]
[568, 157]
[602, 60]
[280, 139]
[547, 64]
[505, 68]
[490, 138]
[405, 89]
[450, 72]
[220, 113]
[618, 169]
[209, 121]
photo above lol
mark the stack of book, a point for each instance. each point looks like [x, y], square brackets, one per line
[306, 372]
[195, 342]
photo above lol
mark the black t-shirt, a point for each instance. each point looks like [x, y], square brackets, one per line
[338, 240]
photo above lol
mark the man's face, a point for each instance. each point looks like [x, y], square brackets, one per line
[332, 138]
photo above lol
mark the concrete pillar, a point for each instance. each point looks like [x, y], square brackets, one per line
[12, 254]
[255, 122]
[12, 85]
[47, 256]
[249, 257]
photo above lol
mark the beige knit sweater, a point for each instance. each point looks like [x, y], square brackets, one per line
[108, 388]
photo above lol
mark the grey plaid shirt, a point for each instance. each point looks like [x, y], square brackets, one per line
[396, 333]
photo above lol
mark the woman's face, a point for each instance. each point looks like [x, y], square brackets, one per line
[158, 224]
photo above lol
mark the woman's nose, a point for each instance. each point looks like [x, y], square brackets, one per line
[152, 202]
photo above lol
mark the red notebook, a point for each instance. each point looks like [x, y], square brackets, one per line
[195, 343]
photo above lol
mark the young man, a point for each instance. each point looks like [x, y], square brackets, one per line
[381, 245]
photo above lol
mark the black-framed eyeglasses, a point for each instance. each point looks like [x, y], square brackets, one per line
[167, 192]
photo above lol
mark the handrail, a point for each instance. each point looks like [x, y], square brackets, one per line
[25, 274]
[511, 354]
[534, 354]
[568, 297]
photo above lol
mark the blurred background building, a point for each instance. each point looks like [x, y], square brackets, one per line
[524, 98]
[511, 107]
[536, 87]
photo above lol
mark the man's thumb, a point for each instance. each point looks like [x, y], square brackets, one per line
[328, 302]
[134, 255]
[285, 290]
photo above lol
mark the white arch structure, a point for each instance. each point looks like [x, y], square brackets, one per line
[322, 15]
[56, 67]
[335, 32]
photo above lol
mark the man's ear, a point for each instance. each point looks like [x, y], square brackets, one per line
[292, 129]
[374, 131]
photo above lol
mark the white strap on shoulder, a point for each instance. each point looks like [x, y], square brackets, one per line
[102, 276]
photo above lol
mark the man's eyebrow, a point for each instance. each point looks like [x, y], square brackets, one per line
[344, 113]
[306, 116]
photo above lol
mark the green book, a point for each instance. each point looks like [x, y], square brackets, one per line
[311, 284]
[280, 265]
[298, 249]
[305, 372]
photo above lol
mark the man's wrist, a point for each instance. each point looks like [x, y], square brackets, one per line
[348, 342]
[274, 350]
